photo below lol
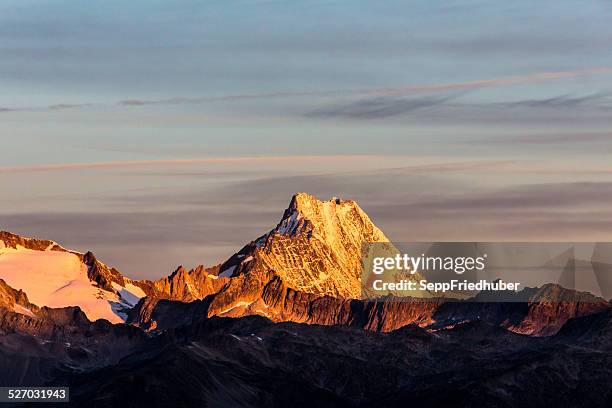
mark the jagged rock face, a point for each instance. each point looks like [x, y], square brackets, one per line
[315, 248]
[15, 300]
[191, 285]
[552, 306]
[102, 274]
[10, 240]
[542, 313]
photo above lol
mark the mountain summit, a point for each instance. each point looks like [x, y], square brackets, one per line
[316, 247]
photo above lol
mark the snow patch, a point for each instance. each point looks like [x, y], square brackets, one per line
[289, 225]
[22, 310]
[239, 304]
[56, 279]
[228, 272]
[130, 294]
[261, 241]
[135, 291]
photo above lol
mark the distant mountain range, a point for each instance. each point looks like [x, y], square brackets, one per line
[66, 316]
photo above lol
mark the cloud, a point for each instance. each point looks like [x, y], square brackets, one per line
[397, 91]
[545, 212]
[178, 162]
[548, 196]
[55, 107]
[149, 244]
[594, 138]
[501, 81]
[378, 108]
[561, 101]
[61, 106]
[527, 43]
[148, 232]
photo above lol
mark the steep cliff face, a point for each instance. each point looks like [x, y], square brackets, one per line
[15, 300]
[542, 314]
[552, 306]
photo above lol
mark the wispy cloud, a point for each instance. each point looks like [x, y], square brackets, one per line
[179, 162]
[595, 138]
[561, 101]
[547, 196]
[378, 107]
[204, 223]
[54, 107]
[371, 92]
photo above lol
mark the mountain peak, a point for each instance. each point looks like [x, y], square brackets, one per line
[332, 220]
[304, 200]
[306, 203]
[316, 247]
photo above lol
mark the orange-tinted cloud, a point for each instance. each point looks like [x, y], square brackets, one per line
[179, 162]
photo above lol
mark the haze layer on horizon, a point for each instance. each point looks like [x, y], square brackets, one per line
[166, 133]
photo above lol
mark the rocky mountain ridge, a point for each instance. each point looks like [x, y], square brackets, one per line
[255, 331]
[307, 270]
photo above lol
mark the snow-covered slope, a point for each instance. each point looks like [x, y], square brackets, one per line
[56, 278]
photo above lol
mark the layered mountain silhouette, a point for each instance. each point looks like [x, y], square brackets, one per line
[307, 269]
[67, 317]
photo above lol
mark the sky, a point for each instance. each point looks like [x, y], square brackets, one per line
[161, 133]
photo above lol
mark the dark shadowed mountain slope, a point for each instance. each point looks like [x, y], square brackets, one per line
[252, 362]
